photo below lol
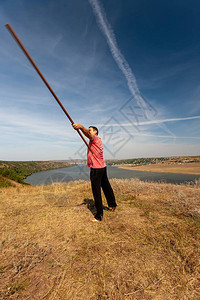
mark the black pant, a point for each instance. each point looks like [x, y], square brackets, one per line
[99, 179]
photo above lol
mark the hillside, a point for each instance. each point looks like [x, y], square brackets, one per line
[177, 165]
[149, 248]
[13, 172]
[156, 160]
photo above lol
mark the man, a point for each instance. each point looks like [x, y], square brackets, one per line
[98, 171]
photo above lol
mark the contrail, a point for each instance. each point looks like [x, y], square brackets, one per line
[120, 60]
[116, 53]
[152, 122]
[169, 120]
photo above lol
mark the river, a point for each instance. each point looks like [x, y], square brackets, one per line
[81, 172]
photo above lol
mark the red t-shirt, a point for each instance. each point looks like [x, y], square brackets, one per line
[96, 159]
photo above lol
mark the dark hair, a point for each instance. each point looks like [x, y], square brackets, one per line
[94, 129]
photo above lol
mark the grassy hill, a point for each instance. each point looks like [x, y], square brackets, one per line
[149, 248]
[12, 172]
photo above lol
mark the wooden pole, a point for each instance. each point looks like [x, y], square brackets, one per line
[42, 77]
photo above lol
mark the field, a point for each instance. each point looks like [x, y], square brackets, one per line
[178, 168]
[149, 248]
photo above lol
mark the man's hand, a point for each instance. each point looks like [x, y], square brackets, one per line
[85, 131]
[77, 126]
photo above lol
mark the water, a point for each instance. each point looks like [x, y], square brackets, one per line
[82, 172]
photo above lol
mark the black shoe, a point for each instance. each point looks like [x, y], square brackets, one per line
[99, 217]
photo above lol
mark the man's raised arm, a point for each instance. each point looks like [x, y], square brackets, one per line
[85, 131]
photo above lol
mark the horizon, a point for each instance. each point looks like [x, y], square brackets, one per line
[130, 69]
[65, 160]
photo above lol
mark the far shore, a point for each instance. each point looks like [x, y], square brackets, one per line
[182, 168]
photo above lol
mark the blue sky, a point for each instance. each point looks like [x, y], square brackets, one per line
[131, 68]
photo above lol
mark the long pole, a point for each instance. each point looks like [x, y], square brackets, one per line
[42, 77]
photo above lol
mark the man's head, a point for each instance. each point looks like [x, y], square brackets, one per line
[93, 130]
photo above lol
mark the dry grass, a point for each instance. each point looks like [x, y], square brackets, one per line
[148, 249]
[178, 168]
